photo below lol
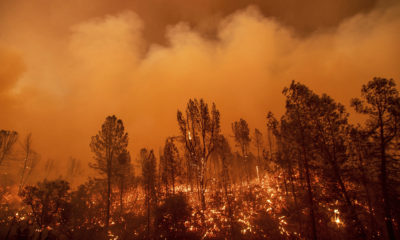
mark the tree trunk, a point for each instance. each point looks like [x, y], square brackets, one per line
[368, 195]
[385, 193]
[148, 210]
[21, 184]
[108, 196]
[310, 195]
[354, 216]
[173, 179]
[121, 194]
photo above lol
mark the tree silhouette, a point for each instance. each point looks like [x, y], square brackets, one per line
[122, 173]
[323, 177]
[148, 162]
[380, 101]
[170, 164]
[47, 200]
[330, 126]
[241, 134]
[171, 217]
[298, 101]
[30, 160]
[199, 130]
[7, 141]
[258, 143]
[107, 145]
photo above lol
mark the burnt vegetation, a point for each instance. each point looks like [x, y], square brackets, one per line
[312, 175]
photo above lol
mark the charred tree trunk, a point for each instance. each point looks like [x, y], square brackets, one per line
[349, 203]
[310, 195]
[384, 187]
[367, 194]
[121, 195]
[108, 194]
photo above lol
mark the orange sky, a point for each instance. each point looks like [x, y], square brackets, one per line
[66, 65]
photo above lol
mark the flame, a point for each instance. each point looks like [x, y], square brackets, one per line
[189, 135]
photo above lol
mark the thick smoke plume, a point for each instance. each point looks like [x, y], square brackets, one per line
[62, 73]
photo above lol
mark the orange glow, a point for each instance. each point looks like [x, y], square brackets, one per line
[67, 70]
[67, 65]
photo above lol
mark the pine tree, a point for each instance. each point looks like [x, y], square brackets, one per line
[107, 145]
[148, 162]
[199, 130]
[241, 134]
[171, 166]
[380, 101]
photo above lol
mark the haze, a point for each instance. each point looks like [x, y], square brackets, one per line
[66, 65]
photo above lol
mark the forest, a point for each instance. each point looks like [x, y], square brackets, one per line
[314, 175]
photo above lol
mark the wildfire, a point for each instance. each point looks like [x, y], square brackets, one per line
[336, 218]
[189, 136]
[261, 197]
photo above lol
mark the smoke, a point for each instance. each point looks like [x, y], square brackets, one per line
[61, 84]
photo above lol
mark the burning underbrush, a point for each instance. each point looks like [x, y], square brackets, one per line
[261, 209]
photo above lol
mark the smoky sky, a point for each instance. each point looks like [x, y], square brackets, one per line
[303, 17]
[66, 65]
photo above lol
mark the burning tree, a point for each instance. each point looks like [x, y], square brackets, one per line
[326, 179]
[258, 143]
[171, 216]
[48, 201]
[199, 129]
